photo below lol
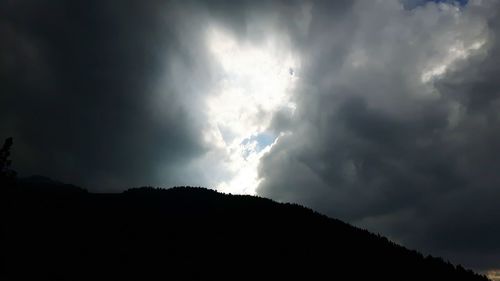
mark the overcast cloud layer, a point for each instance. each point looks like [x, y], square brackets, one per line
[397, 127]
[389, 119]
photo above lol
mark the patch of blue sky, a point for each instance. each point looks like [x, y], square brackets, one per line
[261, 140]
[265, 139]
[412, 4]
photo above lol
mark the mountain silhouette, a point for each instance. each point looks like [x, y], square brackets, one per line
[54, 231]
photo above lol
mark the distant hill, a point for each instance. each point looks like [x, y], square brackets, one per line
[52, 231]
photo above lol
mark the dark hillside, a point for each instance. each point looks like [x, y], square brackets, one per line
[52, 231]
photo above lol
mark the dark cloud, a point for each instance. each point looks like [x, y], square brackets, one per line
[385, 139]
[78, 80]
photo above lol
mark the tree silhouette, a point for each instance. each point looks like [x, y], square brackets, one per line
[6, 173]
[186, 233]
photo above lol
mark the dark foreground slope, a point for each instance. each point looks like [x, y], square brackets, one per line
[56, 232]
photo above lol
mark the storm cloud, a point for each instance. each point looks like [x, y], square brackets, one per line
[77, 86]
[387, 116]
[396, 128]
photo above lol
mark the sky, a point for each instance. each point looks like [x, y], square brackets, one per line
[382, 113]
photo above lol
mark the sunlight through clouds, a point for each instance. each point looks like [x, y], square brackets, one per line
[493, 275]
[256, 81]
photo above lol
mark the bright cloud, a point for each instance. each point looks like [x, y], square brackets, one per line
[457, 52]
[255, 82]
